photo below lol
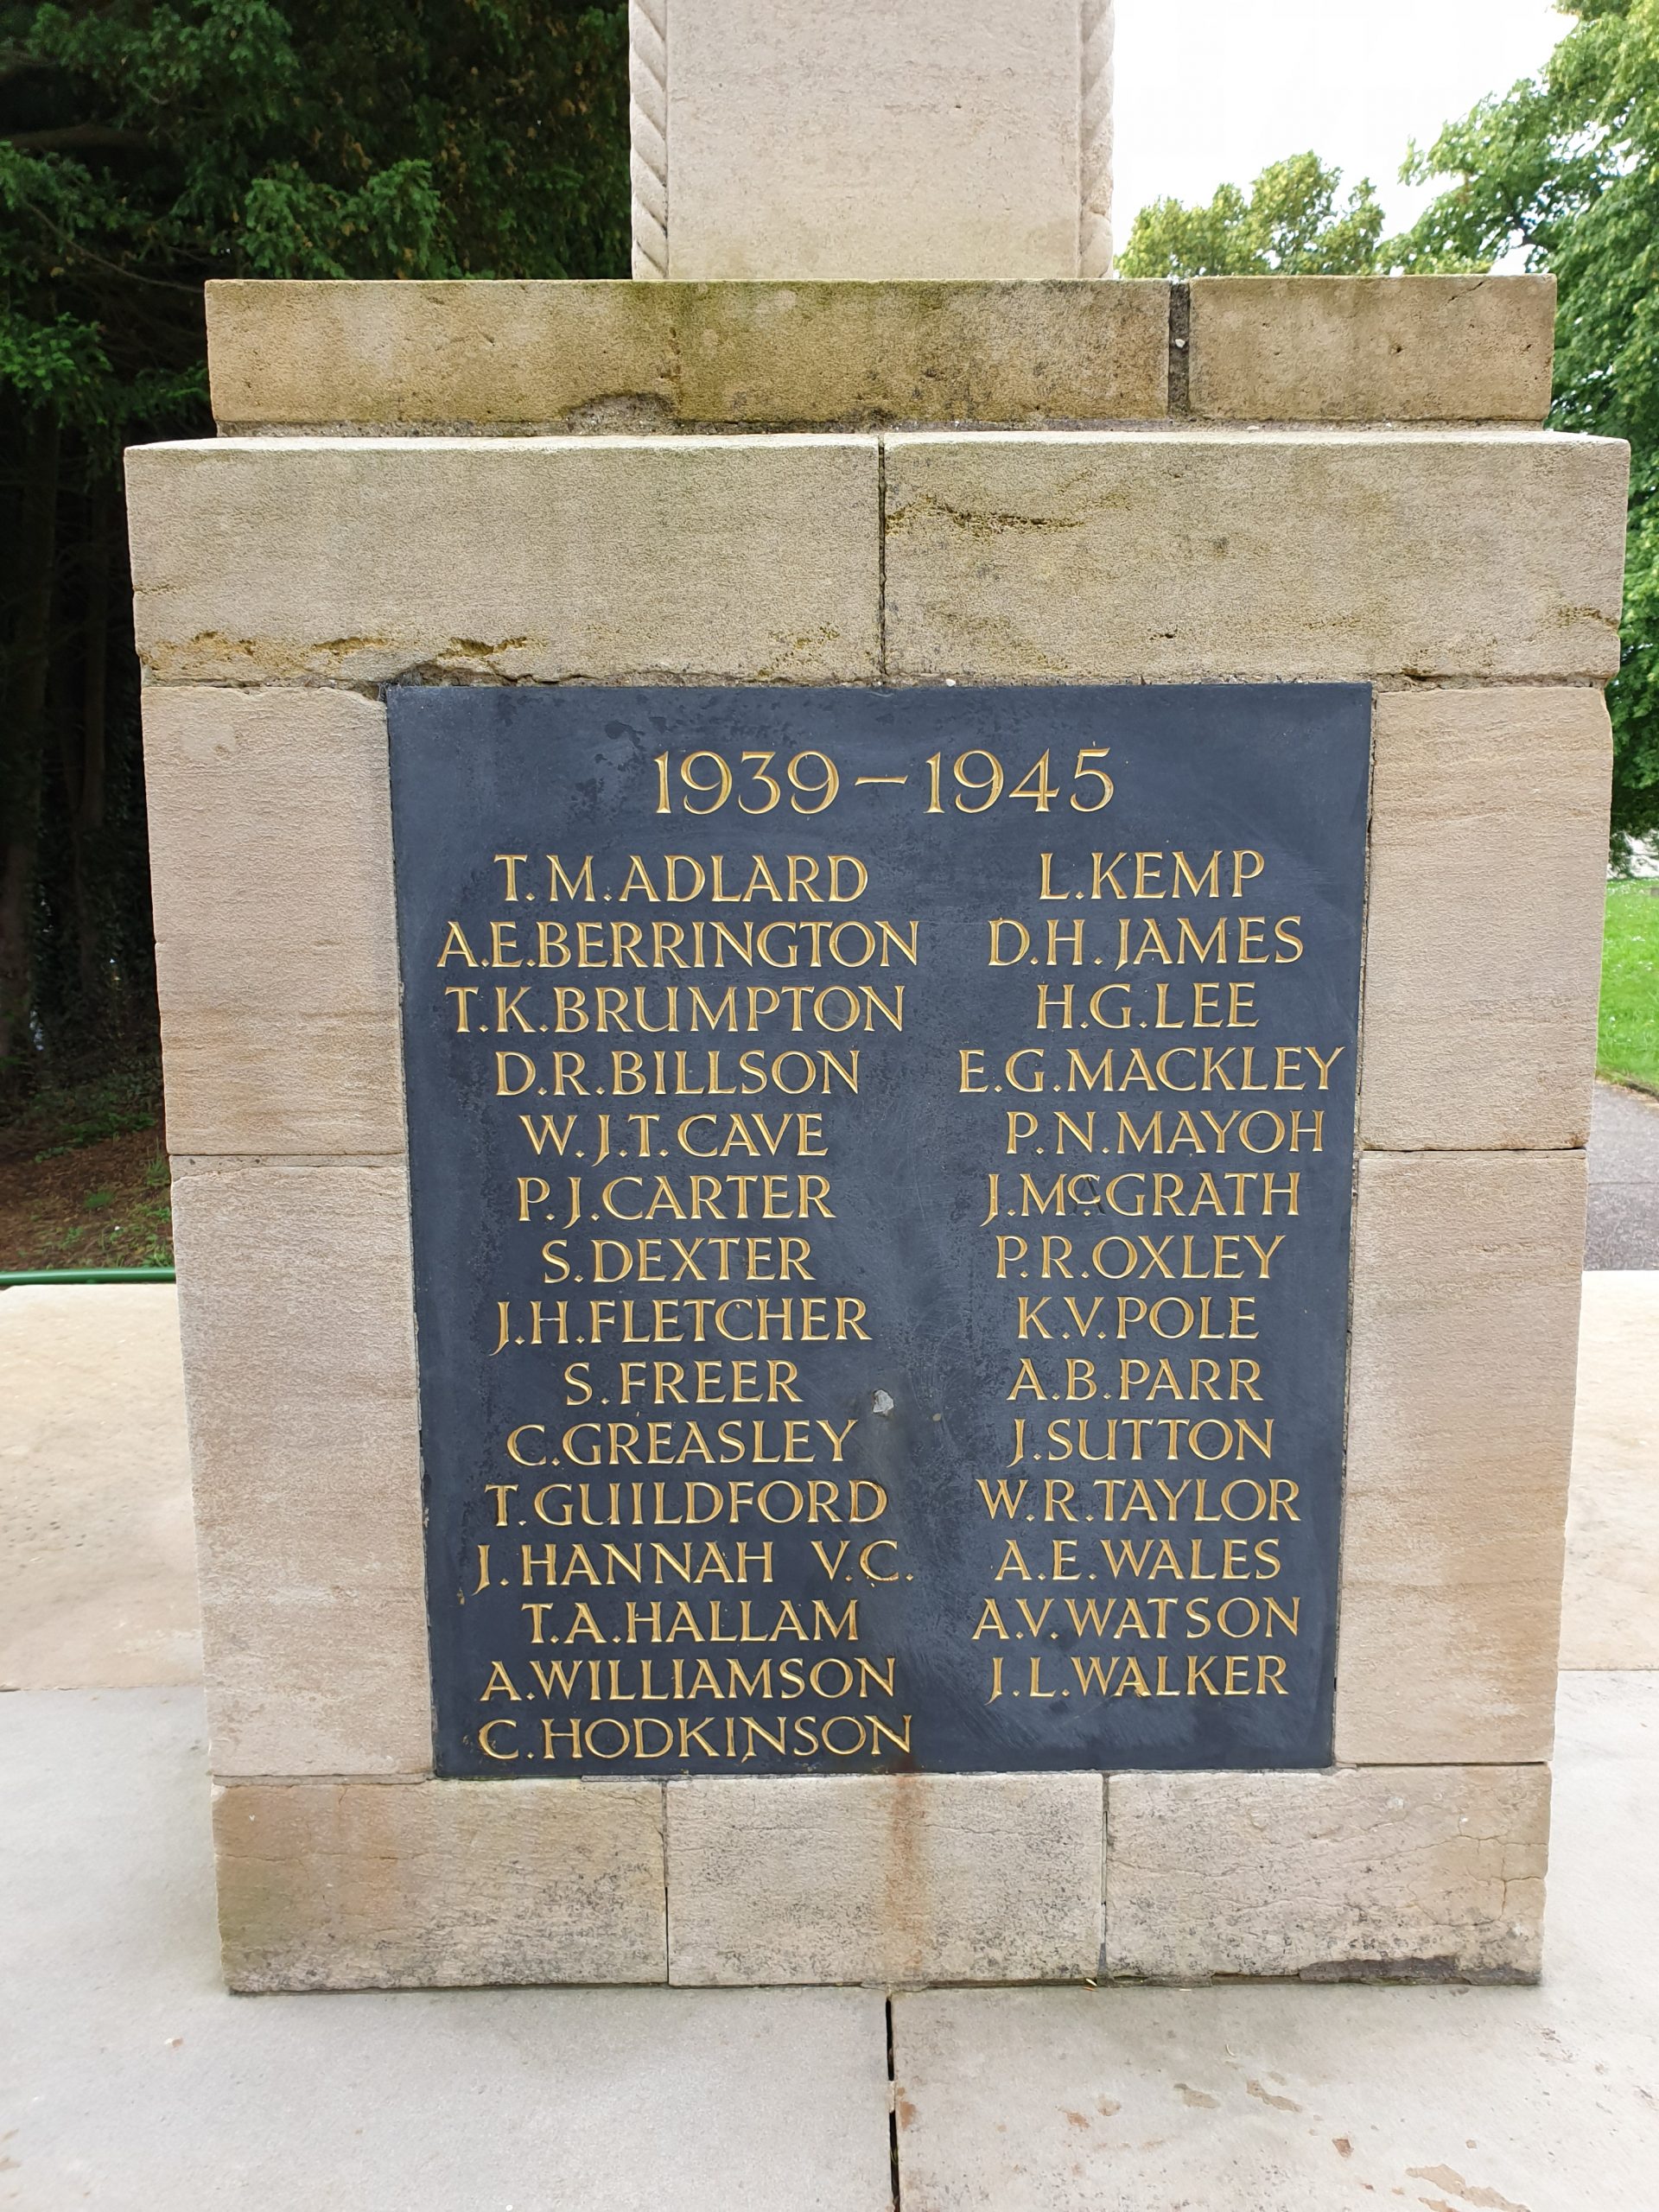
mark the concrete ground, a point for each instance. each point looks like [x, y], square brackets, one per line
[97, 1550]
[131, 2082]
[1609, 1605]
[128, 2080]
[1623, 1230]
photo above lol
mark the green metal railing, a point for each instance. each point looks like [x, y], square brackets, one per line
[21, 1278]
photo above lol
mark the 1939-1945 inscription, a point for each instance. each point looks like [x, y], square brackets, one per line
[881, 1172]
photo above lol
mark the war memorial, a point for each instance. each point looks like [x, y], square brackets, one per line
[879, 1207]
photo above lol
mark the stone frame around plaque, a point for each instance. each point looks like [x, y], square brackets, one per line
[283, 578]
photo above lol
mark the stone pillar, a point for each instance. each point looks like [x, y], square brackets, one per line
[1349, 482]
[966, 469]
[935, 138]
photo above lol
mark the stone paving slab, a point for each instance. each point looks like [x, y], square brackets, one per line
[129, 2080]
[1287, 2098]
[98, 1572]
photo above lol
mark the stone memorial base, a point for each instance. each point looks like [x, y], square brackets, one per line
[1260, 480]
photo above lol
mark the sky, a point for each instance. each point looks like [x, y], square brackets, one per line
[1209, 92]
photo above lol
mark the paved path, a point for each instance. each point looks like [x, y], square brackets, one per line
[1624, 1225]
[98, 1572]
[129, 2082]
[1610, 1610]
[1281, 2098]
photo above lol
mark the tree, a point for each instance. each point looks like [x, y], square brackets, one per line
[143, 148]
[1564, 170]
[1290, 225]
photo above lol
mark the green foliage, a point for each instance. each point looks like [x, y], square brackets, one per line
[1633, 697]
[145, 146]
[1290, 225]
[1627, 1043]
[1564, 169]
[119, 1102]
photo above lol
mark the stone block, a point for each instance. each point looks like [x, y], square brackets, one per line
[295, 1307]
[1187, 556]
[1484, 907]
[598, 559]
[946, 138]
[958, 353]
[1375, 1874]
[437, 1884]
[885, 1878]
[455, 354]
[1372, 349]
[1465, 1323]
[275, 952]
[607, 357]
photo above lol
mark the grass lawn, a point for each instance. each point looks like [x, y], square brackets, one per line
[1627, 1046]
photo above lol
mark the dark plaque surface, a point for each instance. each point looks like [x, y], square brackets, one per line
[881, 1169]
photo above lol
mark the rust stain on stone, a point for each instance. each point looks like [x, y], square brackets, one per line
[905, 1900]
[1266, 2096]
[1189, 2096]
[1471, 2192]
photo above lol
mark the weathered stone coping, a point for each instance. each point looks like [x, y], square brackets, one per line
[618, 356]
